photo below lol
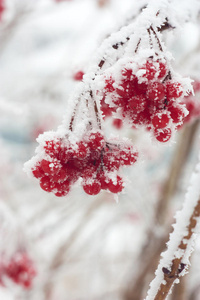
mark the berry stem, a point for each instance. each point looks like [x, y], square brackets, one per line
[98, 119]
[71, 123]
[157, 39]
[138, 44]
[150, 39]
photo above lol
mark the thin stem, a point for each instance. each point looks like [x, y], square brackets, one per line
[150, 39]
[71, 123]
[138, 44]
[157, 39]
[98, 119]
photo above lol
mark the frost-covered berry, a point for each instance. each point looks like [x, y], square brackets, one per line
[78, 76]
[173, 89]
[156, 91]
[116, 185]
[163, 135]
[150, 70]
[92, 187]
[177, 113]
[117, 123]
[160, 120]
[46, 184]
[96, 141]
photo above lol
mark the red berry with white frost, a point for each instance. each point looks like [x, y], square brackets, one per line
[116, 185]
[92, 187]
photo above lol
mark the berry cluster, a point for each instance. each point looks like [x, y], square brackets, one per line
[92, 159]
[147, 96]
[19, 269]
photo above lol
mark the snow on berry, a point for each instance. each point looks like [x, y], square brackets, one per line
[146, 94]
[61, 161]
[78, 76]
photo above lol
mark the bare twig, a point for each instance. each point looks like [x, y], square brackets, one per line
[155, 244]
[179, 292]
[177, 266]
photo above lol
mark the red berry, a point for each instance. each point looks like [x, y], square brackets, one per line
[52, 148]
[162, 70]
[137, 103]
[177, 113]
[128, 156]
[117, 123]
[37, 171]
[82, 150]
[140, 89]
[92, 187]
[128, 74]
[50, 167]
[62, 189]
[21, 270]
[163, 135]
[96, 141]
[105, 108]
[89, 171]
[156, 91]
[111, 161]
[46, 184]
[78, 75]
[160, 120]
[116, 186]
[103, 180]
[173, 89]
[150, 70]
[60, 176]
[109, 85]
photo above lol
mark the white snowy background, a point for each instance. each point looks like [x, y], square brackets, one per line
[43, 43]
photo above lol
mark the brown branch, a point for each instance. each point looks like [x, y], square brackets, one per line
[177, 266]
[154, 245]
[157, 39]
[183, 149]
[98, 119]
[137, 47]
[179, 291]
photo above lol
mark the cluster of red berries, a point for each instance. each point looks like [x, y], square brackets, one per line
[92, 159]
[147, 96]
[20, 269]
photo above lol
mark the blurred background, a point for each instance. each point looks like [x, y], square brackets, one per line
[82, 247]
